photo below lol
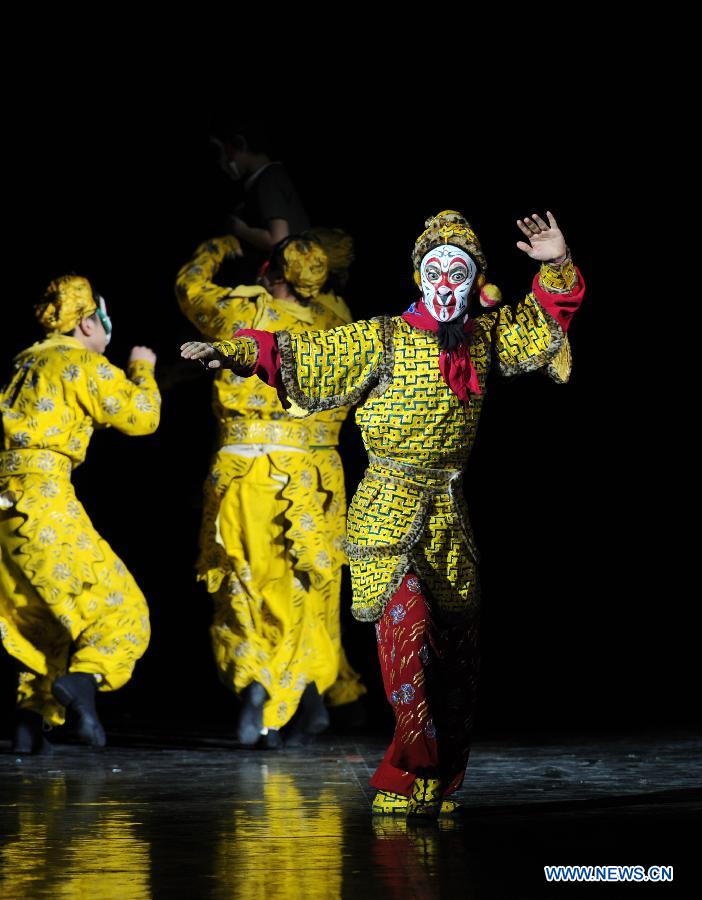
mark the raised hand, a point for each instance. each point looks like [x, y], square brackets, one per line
[203, 353]
[546, 242]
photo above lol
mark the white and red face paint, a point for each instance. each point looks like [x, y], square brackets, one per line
[447, 274]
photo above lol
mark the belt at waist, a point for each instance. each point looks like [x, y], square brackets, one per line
[424, 477]
[291, 433]
[35, 462]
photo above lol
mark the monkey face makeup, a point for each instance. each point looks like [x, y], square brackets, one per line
[446, 275]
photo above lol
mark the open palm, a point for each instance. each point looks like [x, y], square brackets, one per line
[546, 242]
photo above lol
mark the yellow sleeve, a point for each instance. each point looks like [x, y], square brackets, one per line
[216, 311]
[527, 338]
[326, 369]
[129, 402]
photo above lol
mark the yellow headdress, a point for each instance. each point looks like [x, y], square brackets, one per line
[448, 227]
[305, 266]
[66, 301]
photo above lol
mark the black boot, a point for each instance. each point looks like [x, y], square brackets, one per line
[271, 740]
[77, 692]
[29, 733]
[311, 718]
[248, 729]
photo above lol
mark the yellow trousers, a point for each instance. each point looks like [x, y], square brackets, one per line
[270, 562]
[67, 602]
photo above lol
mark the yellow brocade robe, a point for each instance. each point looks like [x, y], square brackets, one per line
[272, 536]
[60, 582]
[409, 511]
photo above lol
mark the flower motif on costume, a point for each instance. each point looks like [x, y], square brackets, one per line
[143, 403]
[21, 439]
[408, 693]
[430, 729]
[414, 585]
[397, 613]
[84, 541]
[242, 649]
[47, 535]
[424, 654]
[46, 462]
[61, 572]
[323, 560]
[111, 405]
[395, 697]
[104, 372]
[70, 373]
[307, 522]
[49, 489]
[44, 404]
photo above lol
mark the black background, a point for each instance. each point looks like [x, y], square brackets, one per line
[584, 615]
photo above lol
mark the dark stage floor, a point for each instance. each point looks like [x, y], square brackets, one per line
[194, 817]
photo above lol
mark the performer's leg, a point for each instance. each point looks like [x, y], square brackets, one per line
[36, 704]
[429, 678]
[266, 631]
[114, 637]
[118, 630]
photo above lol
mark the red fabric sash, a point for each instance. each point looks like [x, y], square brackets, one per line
[456, 366]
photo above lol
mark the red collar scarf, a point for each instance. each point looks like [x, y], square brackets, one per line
[455, 366]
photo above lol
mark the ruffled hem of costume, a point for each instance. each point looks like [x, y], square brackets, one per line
[316, 558]
[309, 547]
[77, 566]
[372, 610]
[374, 385]
[558, 337]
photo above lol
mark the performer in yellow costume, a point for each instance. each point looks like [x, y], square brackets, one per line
[71, 614]
[418, 381]
[271, 543]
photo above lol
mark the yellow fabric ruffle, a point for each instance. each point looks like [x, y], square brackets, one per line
[61, 584]
[267, 559]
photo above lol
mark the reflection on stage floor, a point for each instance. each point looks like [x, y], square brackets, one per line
[193, 816]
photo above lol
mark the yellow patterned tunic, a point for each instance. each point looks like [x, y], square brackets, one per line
[272, 536]
[409, 511]
[60, 582]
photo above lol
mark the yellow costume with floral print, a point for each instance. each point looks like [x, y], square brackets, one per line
[60, 582]
[274, 516]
